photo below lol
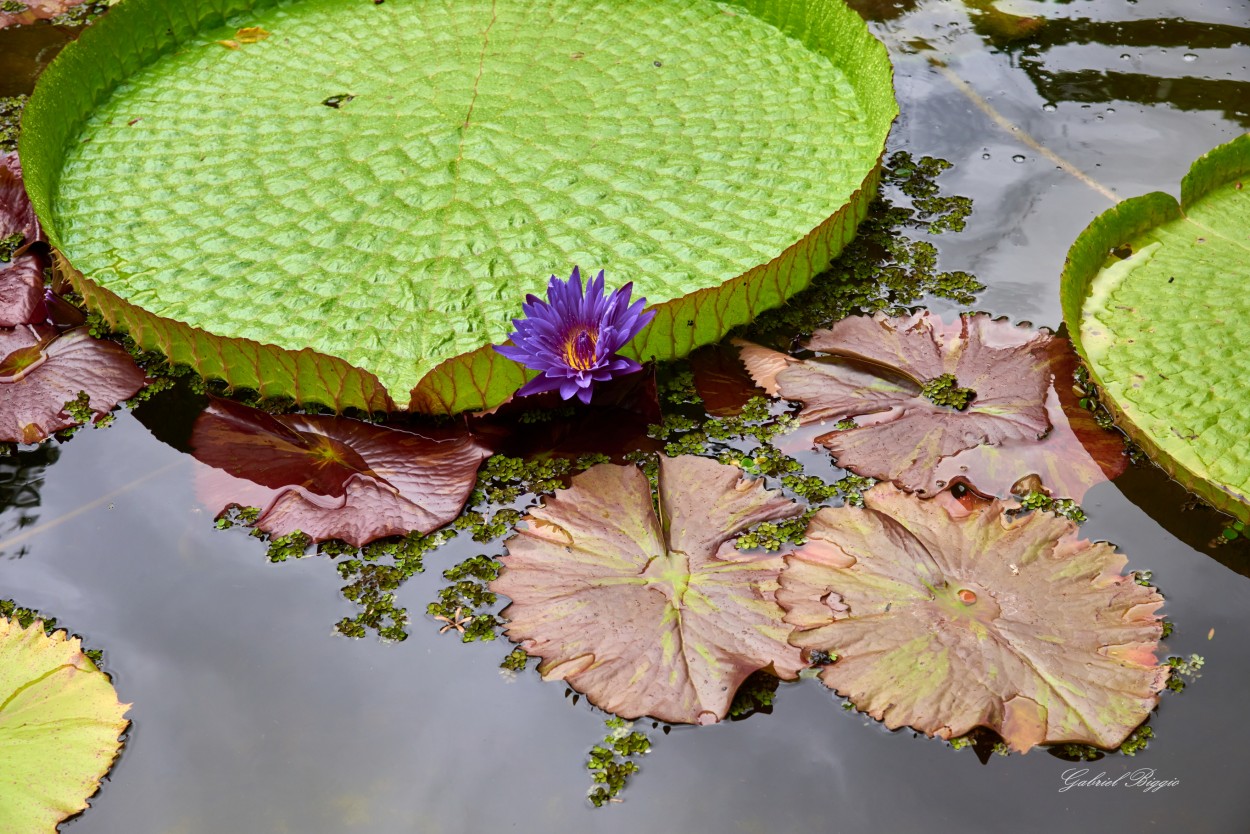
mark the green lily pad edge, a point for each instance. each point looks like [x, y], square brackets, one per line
[138, 32]
[1109, 295]
[60, 725]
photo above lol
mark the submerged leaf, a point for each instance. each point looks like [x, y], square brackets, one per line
[41, 372]
[919, 390]
[59, 728]
[21, 270]
[333, 477]
[721, 381]
[646, 617]
[945, 618]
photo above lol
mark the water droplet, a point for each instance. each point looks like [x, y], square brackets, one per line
[1190, 57]
[985, 156]
[1110, 109]
[1049, 108]
[1126, 57]
[1018, 158]
[967, 597]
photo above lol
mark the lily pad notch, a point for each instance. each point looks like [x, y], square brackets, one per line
[749, 227]
[1154, 295]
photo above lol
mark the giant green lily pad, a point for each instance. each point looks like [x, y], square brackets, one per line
[1155, 297]
[351, 210]
[59, 726]
[945, 617]
[650, 613]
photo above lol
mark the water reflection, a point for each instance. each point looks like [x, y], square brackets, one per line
[22, 475]
[1089, 60]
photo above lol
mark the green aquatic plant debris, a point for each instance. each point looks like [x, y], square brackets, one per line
[1184, 671]
[9, 245]
[612, 762]
[79, 408]
[10, 121]
[461, 604]
[515, 661]
[934, 212]
[293, 545]
[756, 694]
[1065, 507]
[432, 214]
[771, 536]
[373, 574]
[943, 390]
[1153, 293]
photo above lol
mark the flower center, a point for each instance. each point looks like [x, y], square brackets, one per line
[579, 349]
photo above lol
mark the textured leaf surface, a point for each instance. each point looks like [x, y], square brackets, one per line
[40, 372]
[21, 276]
[945, 618]
[716, 155]
[648, 616]
[59, 727]
[875, 372]
[1162, 328]
[332, 477]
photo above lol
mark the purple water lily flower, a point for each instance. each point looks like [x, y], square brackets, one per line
[573, 337]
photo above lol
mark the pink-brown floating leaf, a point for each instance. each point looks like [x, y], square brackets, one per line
[21, 267]
[334, 477]
[1074, 456]
[647, 617]
[40, 372]
[946, 616]
[919, 391]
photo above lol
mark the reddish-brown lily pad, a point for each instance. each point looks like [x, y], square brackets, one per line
[21, 267]
[648, 616]
[921, 393]
[1074, 456]
[40, 372]
[333, 477]
[721, 381]
[944, 618]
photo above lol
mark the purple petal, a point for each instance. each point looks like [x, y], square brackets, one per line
[539, 385]
[621, 366]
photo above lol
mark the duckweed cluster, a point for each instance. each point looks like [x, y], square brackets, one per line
[1065, 507]
[756, 694]
[9, 245]
[613, 762]
[943, 390]
[10, 122]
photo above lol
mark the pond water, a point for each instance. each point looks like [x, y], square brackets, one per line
[251, 714]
